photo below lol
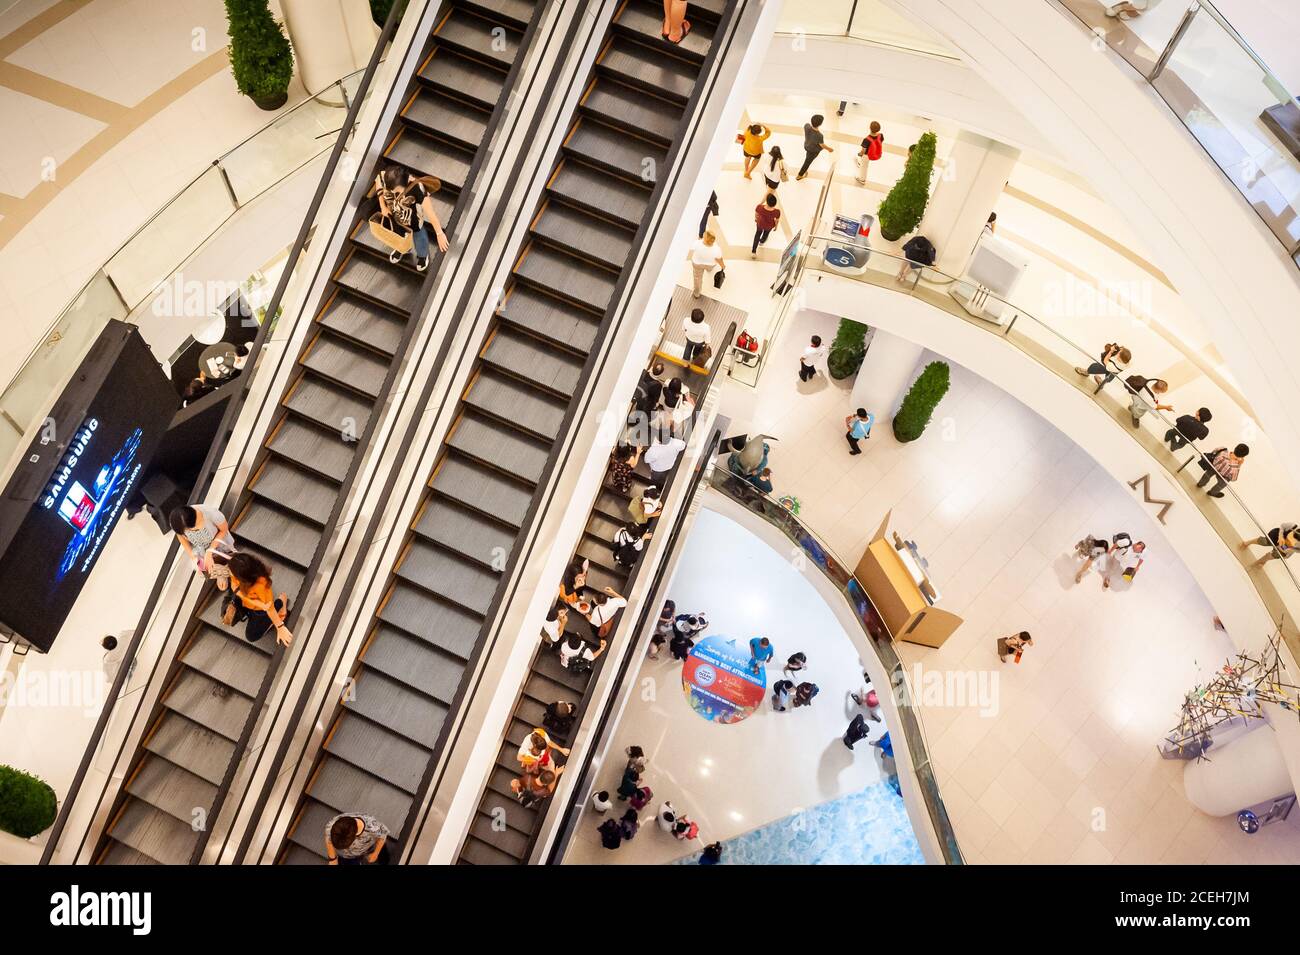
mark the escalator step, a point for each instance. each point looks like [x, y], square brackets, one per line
[649, 69]
[187, 744]
[154, 833]
[431, 157]
[548, 665]
[359, 320]
[549, 317]
[227, 659]
[446, 118]
[281, 532]
[378, 281]
[211, 615]
[291, 488]
[209, 703]
[329, 405]
[343, 362]
[601, 555]
[466, 532]
[500, 446]
[632, 109]
[450, 73]
[513, 401]
[422, 615]
[477, 852]
[309, 828]
[480, 37]
[297, 855]
[504, 839]
[448, 575]
[121, 854]
[598, 578]
[517, 12]
[415, 663]
[391, 704]
[645, 22]
[619, 151]
[589, 188]
[313, 448]
[601, 526]
[585, 234]
[499, 781]
[530, 711]
[509, 811]
[393, 758]
[175, 791]
[345, 788]
[482, 488]
[534, 361]
[545, 691]
[566, 276]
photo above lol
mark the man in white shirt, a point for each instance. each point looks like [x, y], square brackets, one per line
[813, 359]
[661, 457]
[697, 333]
[705, 256]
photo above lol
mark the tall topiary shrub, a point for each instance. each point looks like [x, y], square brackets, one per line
[27, 804]
[921, 400]
[903, 208]
[260, 55]
[848, 349]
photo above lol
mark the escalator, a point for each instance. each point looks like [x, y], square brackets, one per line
[387, 733]
[314, 445]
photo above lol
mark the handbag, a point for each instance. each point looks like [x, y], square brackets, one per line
[719, 277]
[381, 227]
[703, 356]
[785, 176]
[747, 341]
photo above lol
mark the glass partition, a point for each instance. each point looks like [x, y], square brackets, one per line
[160, 246]
[873, 625]
[870, 20]
[1226, 96]
[1189, 464]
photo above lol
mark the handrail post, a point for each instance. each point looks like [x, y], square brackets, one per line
[225, 179]
[1183, 25]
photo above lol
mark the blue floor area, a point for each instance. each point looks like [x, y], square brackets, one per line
[867, 828]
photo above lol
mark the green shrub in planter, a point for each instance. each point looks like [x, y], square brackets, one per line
[27, 804]
[902, 209]
[848, 349]
[260, 55]
[379, 11]
[921, 400]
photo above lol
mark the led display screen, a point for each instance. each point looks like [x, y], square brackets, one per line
[73, 484]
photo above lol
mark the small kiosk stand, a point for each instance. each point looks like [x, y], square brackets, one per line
[850, 257]
[895, 577]
[994, 270]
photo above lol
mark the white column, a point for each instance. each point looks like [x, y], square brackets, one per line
[888, 370]
[976, 174]
[331, 38]
[1246, 771]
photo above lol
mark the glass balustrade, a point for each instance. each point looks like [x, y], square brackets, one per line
[147, 259]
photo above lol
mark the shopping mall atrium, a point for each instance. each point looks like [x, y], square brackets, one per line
[628, 432]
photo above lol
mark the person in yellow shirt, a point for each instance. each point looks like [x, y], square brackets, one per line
[751, 144]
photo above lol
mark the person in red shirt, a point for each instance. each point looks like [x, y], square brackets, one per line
[766, 216]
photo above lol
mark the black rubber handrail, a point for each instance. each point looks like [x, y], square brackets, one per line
[224, 431]
[562, 451]
[679, 521]
[439, 362]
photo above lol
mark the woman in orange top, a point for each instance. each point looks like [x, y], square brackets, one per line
[251, 602]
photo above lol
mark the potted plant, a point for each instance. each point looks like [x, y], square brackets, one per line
[902, 209]
[848, 349]
[921, 400]
[27, 804]
[260, 55]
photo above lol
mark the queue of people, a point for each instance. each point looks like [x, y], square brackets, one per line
[615, 831]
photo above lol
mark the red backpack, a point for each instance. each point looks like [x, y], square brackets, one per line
[875, 146]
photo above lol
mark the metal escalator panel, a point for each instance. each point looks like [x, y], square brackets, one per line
[350, 355]
[527, 373]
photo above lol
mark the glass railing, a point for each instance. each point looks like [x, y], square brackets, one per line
[870, 20]
[839, 573]
[1187, 462]
[1221, 90]
[162, 244]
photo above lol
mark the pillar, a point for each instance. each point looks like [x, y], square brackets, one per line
[888, 370]
[1244, 772]
[331, 38]
[976, 174]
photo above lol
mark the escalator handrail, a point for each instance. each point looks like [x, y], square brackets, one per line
[562, 451]
[224, 431]
[569, 820]
[334, 626]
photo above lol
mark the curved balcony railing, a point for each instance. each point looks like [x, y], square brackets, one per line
[1230, 515]
[872, 21]
[163, 243]
[1221, 90]
[878, 635]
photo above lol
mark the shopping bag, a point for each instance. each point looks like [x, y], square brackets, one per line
[381, 227]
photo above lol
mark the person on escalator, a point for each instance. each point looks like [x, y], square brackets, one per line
[251, 600]
[405, 201]
[353, 838]
[629, 541]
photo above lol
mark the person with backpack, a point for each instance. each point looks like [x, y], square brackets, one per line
[667, 816]
[559, 717]
[804, 694]
[1144, 396]
[918, 252]
[873, 147]
[712, 854]
[629, 541]
[856, 732]
[1224, 467]
[630, 784]
[1282, 541]
[629, 825]
[611, 833]
[576, 654]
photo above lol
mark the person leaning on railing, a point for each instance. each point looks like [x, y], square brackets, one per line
[1281, 541]
[1224, 466]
